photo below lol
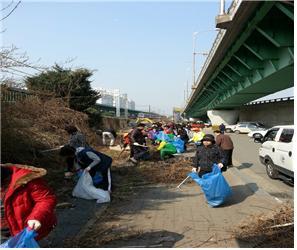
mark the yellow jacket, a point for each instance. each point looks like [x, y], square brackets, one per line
[198, 136]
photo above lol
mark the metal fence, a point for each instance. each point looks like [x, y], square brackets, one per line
[12, 95]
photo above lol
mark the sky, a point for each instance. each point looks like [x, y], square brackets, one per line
[142, 48]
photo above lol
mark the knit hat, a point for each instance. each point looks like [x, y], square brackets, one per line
[208, 137]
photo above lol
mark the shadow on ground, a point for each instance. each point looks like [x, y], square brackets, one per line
[147, 239]
[240, 193]
[71, 221]
[244, 165]
[152, 197]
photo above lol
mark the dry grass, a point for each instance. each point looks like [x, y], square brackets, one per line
[33, 125]
[170, 171]
[269, 230]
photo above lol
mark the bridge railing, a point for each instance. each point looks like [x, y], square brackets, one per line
[231, 11]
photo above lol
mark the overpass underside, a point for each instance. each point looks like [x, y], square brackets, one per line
[259, 60]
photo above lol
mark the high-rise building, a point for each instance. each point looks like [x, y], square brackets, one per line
[131, 104]
[110, 98]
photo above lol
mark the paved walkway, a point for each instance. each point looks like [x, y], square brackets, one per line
[182, 218]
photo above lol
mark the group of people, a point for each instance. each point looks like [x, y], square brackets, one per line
[173, 138]
[27, 201]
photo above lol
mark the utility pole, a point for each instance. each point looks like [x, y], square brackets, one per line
[194, 55]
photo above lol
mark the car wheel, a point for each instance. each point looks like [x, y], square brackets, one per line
[255, 135]
[237, 132]
[228, 130]
[270, 170]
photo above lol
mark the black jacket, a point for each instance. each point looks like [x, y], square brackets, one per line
[183, 135]
[137, 136]
[207, 156]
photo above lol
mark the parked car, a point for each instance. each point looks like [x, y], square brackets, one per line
[276, 152]
[257, 133]
[245, 127]
[230, 128]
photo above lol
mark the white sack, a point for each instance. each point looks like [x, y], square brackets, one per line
[86, 190]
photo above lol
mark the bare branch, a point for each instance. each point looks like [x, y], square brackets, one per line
[11, 11]
[7, 6]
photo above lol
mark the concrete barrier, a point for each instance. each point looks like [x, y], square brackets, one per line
[114, 122]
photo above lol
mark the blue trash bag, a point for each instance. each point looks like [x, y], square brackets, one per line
[24, 239]
[97, 178]
[163, 137]
[215, 187]
[179, 144]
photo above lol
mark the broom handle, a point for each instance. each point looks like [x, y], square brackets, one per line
[182, 182]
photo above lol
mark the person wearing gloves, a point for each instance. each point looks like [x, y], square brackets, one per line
[138, 147]
[198, 135]
[26, 201]
[91, 161]
[207, 155]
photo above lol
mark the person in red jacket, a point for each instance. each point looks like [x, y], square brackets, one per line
[26, 201]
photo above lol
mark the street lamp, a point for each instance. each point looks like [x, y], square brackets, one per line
[194, 51]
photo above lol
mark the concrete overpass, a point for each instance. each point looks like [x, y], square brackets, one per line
[253, 56]
[111, 111]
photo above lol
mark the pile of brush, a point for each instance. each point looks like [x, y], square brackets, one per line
[275, 229]
[35, 124]
[170, 171]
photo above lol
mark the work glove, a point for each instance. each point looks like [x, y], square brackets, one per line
[220, 165]
[34, 224]
[194, 170]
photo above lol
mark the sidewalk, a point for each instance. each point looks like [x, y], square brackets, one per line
[73, 221]
[168, 217]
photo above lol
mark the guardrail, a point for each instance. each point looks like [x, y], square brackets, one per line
[231, 11]
[12, 95]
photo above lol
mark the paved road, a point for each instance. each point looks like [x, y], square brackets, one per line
[246, 160]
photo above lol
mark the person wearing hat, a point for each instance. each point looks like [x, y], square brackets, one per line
[197, 136]
[138, 149]
[207, 155]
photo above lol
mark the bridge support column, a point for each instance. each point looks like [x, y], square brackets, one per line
[227, 117]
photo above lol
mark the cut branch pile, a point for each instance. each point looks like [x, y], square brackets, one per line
[275, 229]
[170, 171]
[35, 125]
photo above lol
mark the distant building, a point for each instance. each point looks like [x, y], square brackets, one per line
[110, 98]
[177, 115]
[131, 104]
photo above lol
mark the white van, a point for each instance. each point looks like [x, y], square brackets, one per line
[276, 151]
